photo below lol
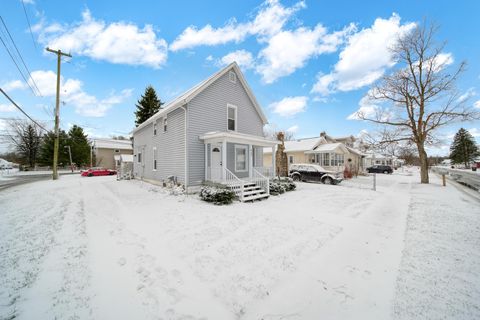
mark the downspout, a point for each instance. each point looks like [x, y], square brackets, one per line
[186, 147]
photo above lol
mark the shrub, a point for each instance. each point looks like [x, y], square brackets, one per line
[282, 185]
[217, 195]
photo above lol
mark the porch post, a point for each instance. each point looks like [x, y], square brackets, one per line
[206, 162]
[224, 157]
[250, 161]
[273, 161]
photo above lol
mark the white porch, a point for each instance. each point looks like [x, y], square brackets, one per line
[236, 160]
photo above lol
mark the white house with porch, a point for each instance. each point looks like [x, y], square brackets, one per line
[211, 133]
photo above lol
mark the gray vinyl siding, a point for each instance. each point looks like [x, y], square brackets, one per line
[170, 149]
[207, 112]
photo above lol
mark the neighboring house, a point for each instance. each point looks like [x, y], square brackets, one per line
[377, 158]
[212, 132]
[330, 153]
[107, 152]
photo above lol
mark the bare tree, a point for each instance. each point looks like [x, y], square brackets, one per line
[25, 136]
[273, 132]
[421, 94]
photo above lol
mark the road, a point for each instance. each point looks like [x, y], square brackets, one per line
[19, 179]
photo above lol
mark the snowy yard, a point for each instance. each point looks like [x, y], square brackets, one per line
[96, 248]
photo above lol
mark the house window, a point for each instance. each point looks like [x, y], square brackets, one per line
[154, 159]
[165, 124]
[291, 159]
[232, 77]
[232, 117]
[326, 159]
[240, 158]
[155, 128]
[139, 157]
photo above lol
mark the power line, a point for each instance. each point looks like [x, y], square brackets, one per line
[20, 55]
[29, 26]
[19, 108]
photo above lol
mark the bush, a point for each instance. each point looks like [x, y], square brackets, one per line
[282, 185]
[217, 195]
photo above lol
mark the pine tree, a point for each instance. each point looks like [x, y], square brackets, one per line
[79, 145]
[46, 149]
[463, 149]
[147, 106]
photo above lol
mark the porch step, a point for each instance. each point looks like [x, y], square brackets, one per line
[254, 187]
[253, 192]
[255, 197]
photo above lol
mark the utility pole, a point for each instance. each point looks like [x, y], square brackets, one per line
[70, 155]
[59, 54]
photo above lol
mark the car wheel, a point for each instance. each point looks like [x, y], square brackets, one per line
[110, 173]
[328, 180]
[90, 174]
[386, 172]
[296, 177]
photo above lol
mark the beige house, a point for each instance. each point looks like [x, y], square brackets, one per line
[107, 152]
[331, 153]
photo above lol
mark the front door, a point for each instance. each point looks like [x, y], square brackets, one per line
[216, 165]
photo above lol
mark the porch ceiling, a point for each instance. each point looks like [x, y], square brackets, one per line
[235, 137]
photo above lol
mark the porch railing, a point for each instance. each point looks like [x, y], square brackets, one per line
[265, 171]
[260, 180]
[233, 182]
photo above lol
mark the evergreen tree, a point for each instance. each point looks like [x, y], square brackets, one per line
[26, 137]
[78, 142]
[46, 149]
[147, 106]
[463, 149]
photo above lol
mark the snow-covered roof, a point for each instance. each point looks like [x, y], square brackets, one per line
[194, 91]
[299, 145]
[239, 138]
[113, 144]
[377, 156]
[328, 147]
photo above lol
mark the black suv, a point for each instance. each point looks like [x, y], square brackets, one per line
[380, 169]
[313, 172]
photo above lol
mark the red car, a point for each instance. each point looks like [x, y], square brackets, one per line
[98, 172]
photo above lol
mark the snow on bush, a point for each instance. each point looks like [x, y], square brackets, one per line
[217, 195]
[282, 185]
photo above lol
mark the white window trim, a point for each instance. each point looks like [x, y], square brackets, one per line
[236, 116]
[246, 158]
[232, 79]
[165, 124]
[155, 129]
[154, 151]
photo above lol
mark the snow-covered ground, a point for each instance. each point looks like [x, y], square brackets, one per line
[97, 248]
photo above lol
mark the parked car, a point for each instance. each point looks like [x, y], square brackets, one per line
[314, 172]
[380, 169]
[96, 171]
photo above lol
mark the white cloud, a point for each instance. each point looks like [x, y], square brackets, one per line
[13, 85]
[288, 51]
[367, 109]
[269, 20]
[467, 95]
[365, 58]
[73, 94]
[289, 106]
[475, 132]
[7, 108]
[293, 129]
[118, 42]
[477, 104]
[209, 58]
[242, 57]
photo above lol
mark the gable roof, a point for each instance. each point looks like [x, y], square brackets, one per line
[300, 144]
[328, 147]
[113, 144]
[188, 95]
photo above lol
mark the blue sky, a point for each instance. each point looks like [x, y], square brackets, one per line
[308, 62]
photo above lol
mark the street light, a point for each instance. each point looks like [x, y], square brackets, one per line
[70, 154]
